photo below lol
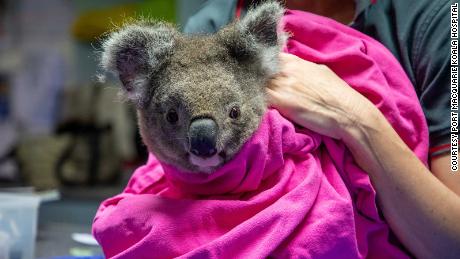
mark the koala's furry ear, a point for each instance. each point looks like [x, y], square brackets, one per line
[135, 53]
[262, 22]
[258, 34]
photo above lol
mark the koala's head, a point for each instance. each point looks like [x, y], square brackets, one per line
[199, 98]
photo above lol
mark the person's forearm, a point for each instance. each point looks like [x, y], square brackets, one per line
[422, 212]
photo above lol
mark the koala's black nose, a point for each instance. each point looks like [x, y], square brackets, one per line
[203, 137]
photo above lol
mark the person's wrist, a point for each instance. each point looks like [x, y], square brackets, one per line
[360, 132]
[357, 125]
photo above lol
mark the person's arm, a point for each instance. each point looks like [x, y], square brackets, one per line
[422, 211]
[440, 167]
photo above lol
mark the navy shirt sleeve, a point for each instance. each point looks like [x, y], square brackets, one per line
[417, 33]
[432, 71]
[214, 15]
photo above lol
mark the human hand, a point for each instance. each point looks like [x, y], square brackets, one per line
[314, 97]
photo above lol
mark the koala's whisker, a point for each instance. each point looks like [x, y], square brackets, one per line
[179, 138]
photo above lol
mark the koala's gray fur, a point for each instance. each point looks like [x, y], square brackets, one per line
[198, 77]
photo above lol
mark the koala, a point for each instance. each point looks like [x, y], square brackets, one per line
[198, 98]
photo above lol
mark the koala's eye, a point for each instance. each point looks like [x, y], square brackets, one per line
[172, 116]
[234, 112]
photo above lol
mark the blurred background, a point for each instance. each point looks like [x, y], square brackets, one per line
[66, 141]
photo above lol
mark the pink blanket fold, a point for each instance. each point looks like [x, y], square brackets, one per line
[289, 192]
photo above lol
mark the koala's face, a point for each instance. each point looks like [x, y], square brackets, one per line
[207, 106]
[199, 98]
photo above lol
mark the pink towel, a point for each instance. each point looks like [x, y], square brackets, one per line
[289, 192]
